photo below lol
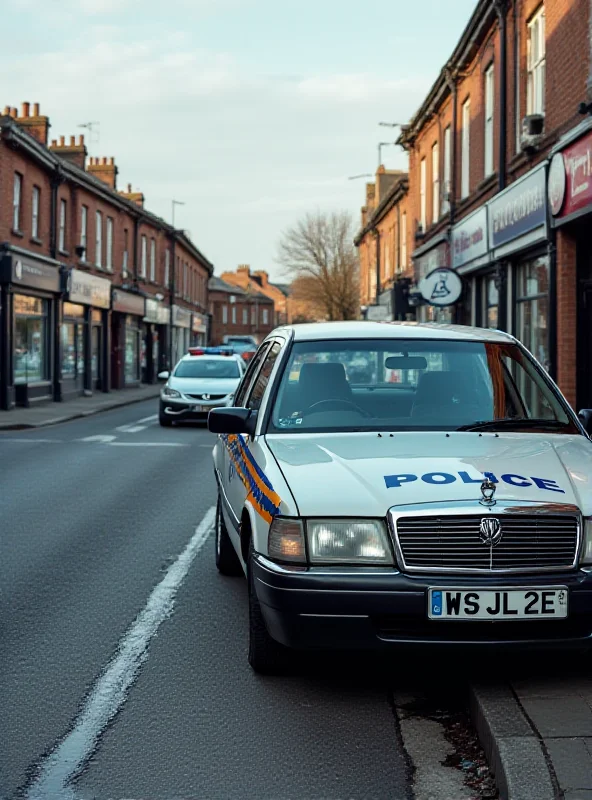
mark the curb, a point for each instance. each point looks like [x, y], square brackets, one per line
[25, 426]
[513, 750]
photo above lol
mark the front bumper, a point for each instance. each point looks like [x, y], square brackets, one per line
[373, 608]
[187, 408]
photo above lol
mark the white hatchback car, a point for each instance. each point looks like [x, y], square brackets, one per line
[392, 485]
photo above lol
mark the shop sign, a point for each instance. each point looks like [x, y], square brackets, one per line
[88, 289]
[29, 272]
[469, 238]
[199, 323]
[570, 179]
[438, 256]
[128, 303]
[181, 317]
[519, 209]
[156, 312]
[442, 287]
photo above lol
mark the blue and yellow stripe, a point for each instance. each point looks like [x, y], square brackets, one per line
[260, 491]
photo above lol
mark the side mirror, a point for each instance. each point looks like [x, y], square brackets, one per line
[164, 376]
[232, 420]
[585, 416]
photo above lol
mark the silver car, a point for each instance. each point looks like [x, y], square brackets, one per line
[197, 384]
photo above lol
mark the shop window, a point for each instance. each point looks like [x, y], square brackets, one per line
[35, 212]
[491, 302]
[435, 182]
[72, 341]
[109, 253]
[132, 351]
[532, 308]
[99, 239]
[62, 231]
[30, 339]
[489, 104]
[465, 182]
[16, 201]
[536, 63]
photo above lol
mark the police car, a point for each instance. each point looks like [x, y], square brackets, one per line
[384, 485]
[203, 379]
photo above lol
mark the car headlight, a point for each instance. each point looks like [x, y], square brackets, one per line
[348, 541]
[286, 540]
[586, 558]
[168, 392]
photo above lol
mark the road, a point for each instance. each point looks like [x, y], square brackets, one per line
[97, 515]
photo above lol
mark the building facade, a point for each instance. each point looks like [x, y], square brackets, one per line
[236, 312]
[96, 293]
[480, 149]
[258, 281]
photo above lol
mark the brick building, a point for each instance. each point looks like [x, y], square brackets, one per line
[237, 312]
[383, 246]
[504, 108]
[258, 281]
[96, 293]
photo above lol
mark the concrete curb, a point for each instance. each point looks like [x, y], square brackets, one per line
[120, 403]
[513, 750]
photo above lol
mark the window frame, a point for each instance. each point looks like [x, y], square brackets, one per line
[125, 256]
[435, 181]
[465, 161]
[167, 267]
[224, 314]
[17, 201]
[84, 230]
[109, 244]
[62, 225]
[423, 208]
[536, 63]
[99, 239]
[35, 210]
[489, 120]
[143, 255]
[446, 182]
[153, 260]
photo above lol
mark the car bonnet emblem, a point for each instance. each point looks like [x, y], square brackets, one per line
[488, 488]
[205, 397]
[490, 531]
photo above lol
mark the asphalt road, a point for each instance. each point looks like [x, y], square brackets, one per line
[123, 668]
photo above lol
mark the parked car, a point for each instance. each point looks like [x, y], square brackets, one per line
[452, 507]
[245, 346]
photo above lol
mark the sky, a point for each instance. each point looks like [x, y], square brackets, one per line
[250, 112]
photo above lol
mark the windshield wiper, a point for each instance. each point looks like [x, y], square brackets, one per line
[513, 422]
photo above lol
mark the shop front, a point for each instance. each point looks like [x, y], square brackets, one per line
[199, 329]
[433, 255]
[181, 333]
[30, 289]
[84, 333]
[570, 205]
[480, 304]
[154, 339]
[128, 312]
[519, 246]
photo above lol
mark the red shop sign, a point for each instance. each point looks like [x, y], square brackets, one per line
[570, 179]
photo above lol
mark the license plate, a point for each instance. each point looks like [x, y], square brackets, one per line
[201, 408]
[492, 604]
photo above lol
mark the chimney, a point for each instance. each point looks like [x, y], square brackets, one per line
[35, 125]
[105, 170]
[75, 152]
[244, 269]
[370, 194]
[262, 278]
[135, 197]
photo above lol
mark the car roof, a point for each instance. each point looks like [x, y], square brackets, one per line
[310, 332]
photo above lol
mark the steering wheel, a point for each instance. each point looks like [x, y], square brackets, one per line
[339, 404]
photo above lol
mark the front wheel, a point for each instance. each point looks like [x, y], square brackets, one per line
[227, 560]
[266, 656]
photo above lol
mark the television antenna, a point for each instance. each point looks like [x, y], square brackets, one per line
[94, 133]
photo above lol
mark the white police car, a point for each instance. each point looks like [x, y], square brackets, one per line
[205, 378]
[389, 485]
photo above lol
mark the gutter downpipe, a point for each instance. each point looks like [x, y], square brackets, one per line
[501, 7]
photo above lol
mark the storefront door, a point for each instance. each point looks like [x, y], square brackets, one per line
[72, 342]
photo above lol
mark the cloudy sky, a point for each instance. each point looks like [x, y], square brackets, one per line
[251, 112]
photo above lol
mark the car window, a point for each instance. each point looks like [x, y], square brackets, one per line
[252, 370]
[412, 385]
[207, 368]
[260, 385]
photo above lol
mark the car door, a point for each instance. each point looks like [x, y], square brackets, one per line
[245, 457]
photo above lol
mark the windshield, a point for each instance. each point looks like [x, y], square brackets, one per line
[414, 385]
[207, 368]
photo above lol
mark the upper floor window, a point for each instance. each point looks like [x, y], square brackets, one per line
[465, 184]
[224, 315]
[125, 261]
[245, 316]
[16, 201]
[535, 94]
[404, 240]
[62, 234]
[435, 182]
[253, 316]
[152, 259]
[422, 195]
[109, 253]
[167, 266]
[144, 257]
[266, 316]
[447, 168]
[99, 240]
[35, 212]
[83, 229]
[234, 315]
[489, 103]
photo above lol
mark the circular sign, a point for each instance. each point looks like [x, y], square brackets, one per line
[442, 287]
[557, 184]
[18, 270]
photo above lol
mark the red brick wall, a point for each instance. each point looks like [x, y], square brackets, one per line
[219, 329]
[566, 321]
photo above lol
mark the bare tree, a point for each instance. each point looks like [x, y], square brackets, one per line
[319, 250]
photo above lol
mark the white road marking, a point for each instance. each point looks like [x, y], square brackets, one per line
[131, 428]
[103, 439]
[147, 444]
[111, 690]
[32, 441]
[153, 418]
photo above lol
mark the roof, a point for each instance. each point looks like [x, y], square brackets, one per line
[216, 284]
[309, 332]
[285, 288]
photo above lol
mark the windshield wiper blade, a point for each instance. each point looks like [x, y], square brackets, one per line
[512, 422]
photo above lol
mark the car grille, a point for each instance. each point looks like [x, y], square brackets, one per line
[453, 543]
[210, 397]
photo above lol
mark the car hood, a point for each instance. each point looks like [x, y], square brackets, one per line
[364, 474]
[222, 386]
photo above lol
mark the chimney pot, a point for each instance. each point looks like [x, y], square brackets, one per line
[13, 113]
[35, 109]
[62, 141]
[104, 161]
[129, 188]
[6, 111]
[72, 141]
[112, 161]
[26, 110]
[81, 140]
[54, 142]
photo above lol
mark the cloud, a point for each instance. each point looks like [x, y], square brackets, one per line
[352, 88]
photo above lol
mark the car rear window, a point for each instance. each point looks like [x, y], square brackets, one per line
[207, 368]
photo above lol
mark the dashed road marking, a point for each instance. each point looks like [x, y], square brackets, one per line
[102, 439]
[32, 441]
[147, 444]
[111, 690]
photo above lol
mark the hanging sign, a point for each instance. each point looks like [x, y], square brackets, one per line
[442, 287]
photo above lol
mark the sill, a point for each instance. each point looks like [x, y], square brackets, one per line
[64, 253]
[85, 264]
[17, 233]
[35, 240]
[488, 183]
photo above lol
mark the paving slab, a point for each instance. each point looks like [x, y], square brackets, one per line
[566, 716]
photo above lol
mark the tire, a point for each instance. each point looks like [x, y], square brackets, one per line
[266, 656]
[227, 561]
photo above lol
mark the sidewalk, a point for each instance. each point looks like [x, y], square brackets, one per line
[537, 735]
[52, 413]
